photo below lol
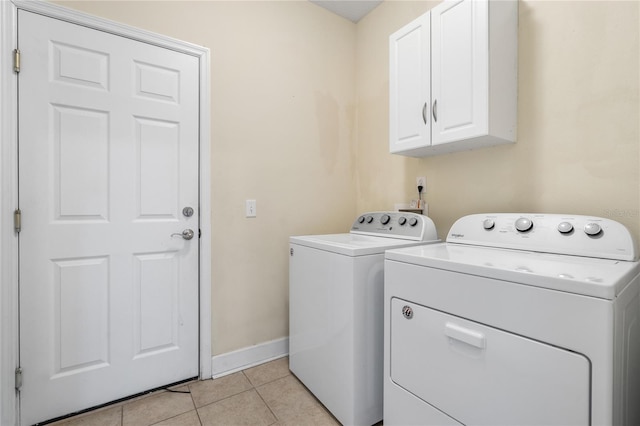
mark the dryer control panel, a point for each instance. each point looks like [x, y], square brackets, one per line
[548, 233]
[402, 225]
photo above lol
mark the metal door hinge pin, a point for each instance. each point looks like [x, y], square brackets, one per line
[17, 220]
[18, 378]
[16, 61]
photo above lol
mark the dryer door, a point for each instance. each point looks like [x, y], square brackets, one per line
[481, 375]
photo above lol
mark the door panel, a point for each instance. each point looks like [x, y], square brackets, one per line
[459, 55]
[80, 187]
[410, 86]
[108, 158]
[156, 286]
[81, 315]
[157, 143]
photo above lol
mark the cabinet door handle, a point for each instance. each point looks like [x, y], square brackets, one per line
[424, 113]
[434, 110]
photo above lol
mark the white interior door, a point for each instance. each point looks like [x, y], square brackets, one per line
[108, 146]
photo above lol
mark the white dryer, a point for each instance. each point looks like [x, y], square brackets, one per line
[336, 310]
[518, 319]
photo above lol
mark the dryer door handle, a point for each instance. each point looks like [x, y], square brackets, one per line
[468, 336]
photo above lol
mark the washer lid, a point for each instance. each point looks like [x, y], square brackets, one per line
[602, 278]
[352, 244]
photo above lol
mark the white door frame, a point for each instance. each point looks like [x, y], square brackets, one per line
[9, 323]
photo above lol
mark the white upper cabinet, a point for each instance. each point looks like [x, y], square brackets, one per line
[410, 89]
[472, 76]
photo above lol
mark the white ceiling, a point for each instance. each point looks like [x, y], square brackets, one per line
[353, 10]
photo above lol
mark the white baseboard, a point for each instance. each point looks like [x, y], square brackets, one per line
[231, 362]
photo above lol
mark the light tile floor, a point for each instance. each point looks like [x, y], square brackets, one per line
[267, 394]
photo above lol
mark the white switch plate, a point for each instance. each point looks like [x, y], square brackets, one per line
[251, 208]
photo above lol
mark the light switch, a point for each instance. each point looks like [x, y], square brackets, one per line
[250, 208]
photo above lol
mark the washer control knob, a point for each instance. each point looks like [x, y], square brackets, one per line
[361, 219]
[592, 229]
[385, 219]
[369, 219]
[565, 227]
[413, 221]
[402, 220]
[524, 224]
[488, 224]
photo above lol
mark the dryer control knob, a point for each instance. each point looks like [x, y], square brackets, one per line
[565, 227]
[488, 224]
[385, 219]
[592, 229]
[369, 219]
[402, 220]
[413, 221]
[361, 219]
[524, 224]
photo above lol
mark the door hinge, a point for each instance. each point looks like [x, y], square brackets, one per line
[199, 233]
[17, 220]
[18, 378]
[16, 61]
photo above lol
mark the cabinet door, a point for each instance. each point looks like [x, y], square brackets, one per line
[460, 66]
[409, 86]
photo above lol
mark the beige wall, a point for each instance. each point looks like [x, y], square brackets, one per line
[282, 119]
[578, 120]
[300, 123]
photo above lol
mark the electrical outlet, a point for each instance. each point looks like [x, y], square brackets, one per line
[422, 181]
[250, 208]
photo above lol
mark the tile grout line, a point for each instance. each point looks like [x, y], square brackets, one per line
[261, 398]
[194, 405]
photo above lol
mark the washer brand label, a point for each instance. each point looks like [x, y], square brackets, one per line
[457, 235]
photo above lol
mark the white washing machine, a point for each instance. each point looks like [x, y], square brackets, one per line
[518, 319]
[336, 311]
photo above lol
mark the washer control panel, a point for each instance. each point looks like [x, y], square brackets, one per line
[549, 233]
[402, 225]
